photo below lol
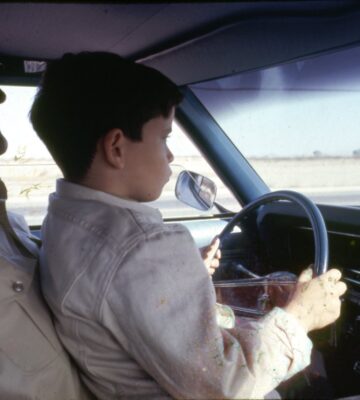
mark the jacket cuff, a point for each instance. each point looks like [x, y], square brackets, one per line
[299, 341]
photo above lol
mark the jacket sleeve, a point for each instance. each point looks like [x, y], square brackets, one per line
[161, 306]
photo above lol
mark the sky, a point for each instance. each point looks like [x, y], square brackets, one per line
[16, 127]
[293, 109]
[299, 109]
[288, 123]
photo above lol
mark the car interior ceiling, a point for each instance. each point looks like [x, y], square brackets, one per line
[179, 39]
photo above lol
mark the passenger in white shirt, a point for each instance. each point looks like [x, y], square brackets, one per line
[133, 302]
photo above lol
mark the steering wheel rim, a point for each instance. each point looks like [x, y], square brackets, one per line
[314, 215]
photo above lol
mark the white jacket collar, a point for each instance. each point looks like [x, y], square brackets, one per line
[71, 190]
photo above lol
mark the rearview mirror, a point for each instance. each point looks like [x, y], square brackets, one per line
[195, 190]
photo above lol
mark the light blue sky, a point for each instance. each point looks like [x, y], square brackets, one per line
[15, 126]
[288, 123]
[292, 110]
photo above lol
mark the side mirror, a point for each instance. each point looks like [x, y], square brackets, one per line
[195, 190]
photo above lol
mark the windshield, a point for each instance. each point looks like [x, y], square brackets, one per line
[30, 173]
[297, 124]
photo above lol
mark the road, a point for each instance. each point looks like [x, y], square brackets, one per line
[341, 196]
[34, 210]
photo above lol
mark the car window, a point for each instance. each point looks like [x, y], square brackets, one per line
[26, 168]
[297, 124]
[187, 156]
[29, 171]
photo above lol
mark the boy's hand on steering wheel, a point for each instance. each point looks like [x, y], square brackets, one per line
[211, 255]
[316, 301]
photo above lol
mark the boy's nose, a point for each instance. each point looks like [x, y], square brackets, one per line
[170, 156]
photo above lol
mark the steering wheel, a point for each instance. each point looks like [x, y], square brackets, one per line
[313, 213]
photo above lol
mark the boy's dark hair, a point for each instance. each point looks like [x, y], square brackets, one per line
[82, 96]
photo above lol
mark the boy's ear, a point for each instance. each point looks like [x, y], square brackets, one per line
[113, 147]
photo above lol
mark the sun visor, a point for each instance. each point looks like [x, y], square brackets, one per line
[256, 43]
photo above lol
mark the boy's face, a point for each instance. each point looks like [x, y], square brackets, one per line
[147, 162]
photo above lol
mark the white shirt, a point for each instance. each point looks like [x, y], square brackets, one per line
[136, 308]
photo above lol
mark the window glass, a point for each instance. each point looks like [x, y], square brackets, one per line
[26, 168]
[187, 156]
[298, 123]
[30, 173]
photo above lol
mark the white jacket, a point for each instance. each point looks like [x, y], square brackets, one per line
[136, 308]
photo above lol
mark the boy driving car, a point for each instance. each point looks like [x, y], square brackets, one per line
[133, 302]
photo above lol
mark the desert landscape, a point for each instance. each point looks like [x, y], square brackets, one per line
[332, 180]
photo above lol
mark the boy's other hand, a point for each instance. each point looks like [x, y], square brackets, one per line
[316, 301]
[211, 255]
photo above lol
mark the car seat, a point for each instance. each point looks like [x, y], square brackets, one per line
[33, 363]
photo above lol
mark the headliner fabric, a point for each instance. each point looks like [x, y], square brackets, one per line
[256, 44]
[189, 42]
